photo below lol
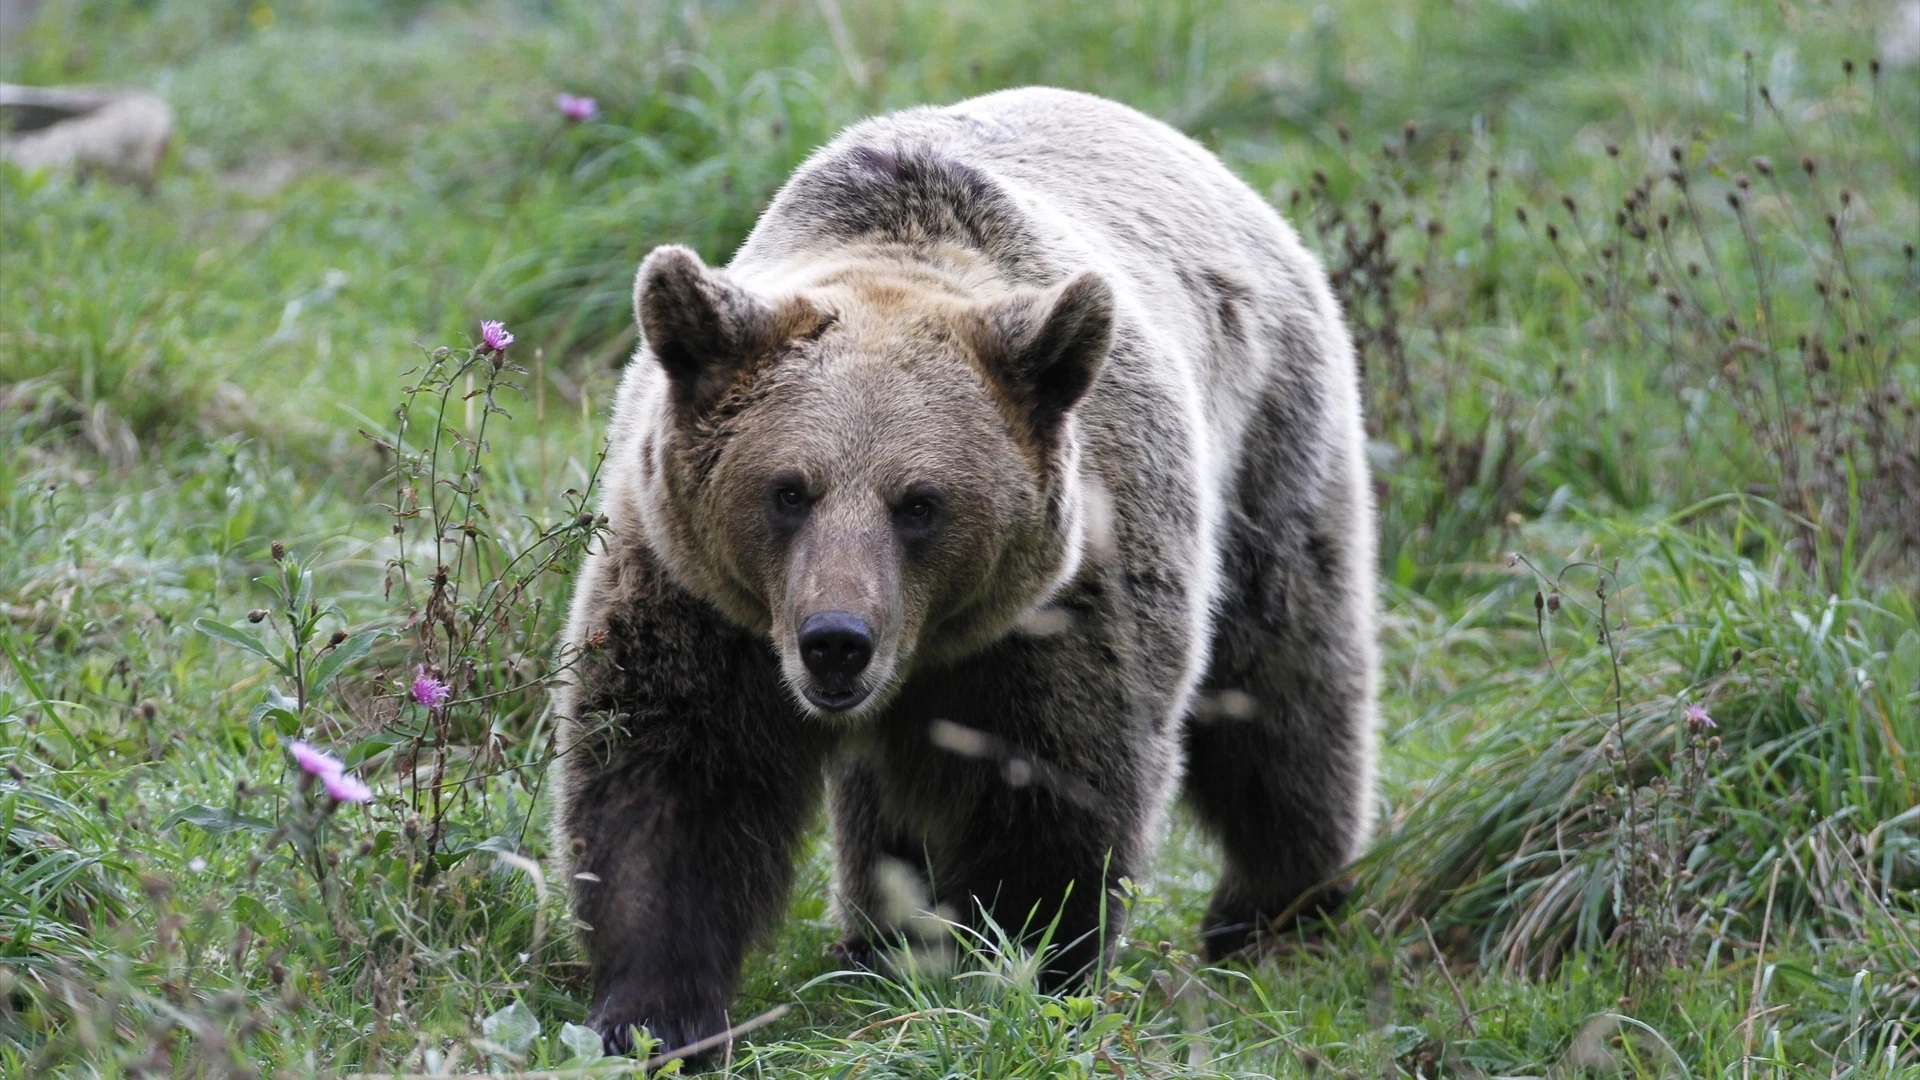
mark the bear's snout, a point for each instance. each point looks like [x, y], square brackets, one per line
[835, 646]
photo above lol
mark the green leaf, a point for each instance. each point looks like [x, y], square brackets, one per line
[513, 1027]
[305, 595]
[1405, 1039]
[235, 637]
[215, 820]
[281, 709]
[332, 664]
[583, 1041]
[366, 748]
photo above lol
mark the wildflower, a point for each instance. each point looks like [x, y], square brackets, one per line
[1697, 718]
[494, 335]
[346, 788]
[315, 762]
[428, 690]
[576, 108]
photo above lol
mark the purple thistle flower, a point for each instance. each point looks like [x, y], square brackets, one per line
[576, 108]
[1697, 716]
[325, 766]
[346, 788]
[494, 335]
[428, 690]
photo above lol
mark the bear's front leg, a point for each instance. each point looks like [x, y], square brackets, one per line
[686, 779]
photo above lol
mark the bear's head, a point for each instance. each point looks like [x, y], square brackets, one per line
[877, 469]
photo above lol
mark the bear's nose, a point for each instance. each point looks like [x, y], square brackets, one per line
[835, 646]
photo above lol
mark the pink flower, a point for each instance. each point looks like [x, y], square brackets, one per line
[346, 788]
[494, 335]
[428, 690]
[314, 762]
[1697, 716]
[576, 108]
[331, 772]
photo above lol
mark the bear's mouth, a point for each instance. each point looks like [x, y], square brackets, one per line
[835, 700]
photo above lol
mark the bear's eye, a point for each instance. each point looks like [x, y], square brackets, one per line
[787, 506]
[919, 515]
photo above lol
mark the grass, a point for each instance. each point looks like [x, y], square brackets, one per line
[1689, 416]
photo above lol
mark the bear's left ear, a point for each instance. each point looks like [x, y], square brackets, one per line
[705, 330]
[1045, 350]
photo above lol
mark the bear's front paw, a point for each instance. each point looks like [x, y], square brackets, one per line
[671, 1027]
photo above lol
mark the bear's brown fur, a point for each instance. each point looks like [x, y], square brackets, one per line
[1012, 469]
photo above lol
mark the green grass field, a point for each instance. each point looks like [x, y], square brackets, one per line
[1639, 307]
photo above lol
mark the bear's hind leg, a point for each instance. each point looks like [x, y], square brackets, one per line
[880, 877]
[1280, 746]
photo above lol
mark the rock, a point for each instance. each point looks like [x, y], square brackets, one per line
[81, 130]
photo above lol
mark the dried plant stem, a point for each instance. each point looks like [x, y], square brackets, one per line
[1759, 967]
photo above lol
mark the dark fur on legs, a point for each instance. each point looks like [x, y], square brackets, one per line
[687, 784]
[1279, 752]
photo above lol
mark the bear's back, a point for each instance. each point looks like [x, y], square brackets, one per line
[1210, 281]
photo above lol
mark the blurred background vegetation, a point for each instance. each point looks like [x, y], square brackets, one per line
[1637, 298]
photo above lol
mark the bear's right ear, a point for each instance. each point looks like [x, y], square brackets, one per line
[705, 330]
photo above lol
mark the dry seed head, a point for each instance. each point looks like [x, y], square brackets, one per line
[149, 710]
[1521, 213]
[1806, 165]
[1733, 199]
[278, 550]
[1766, 94]
[1341, 130]
[1613, 149]
[1693, 269]
[1763, 166]
[1673, 299]
[1567, 201]
[338, 637]
[258, 614]
[1846, 64]
[1410, 132]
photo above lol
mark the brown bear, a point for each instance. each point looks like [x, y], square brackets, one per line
[1009, 479]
